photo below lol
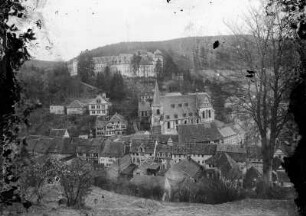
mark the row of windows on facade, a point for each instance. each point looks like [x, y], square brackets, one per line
[98, 106]
[207, 115]
[177, 122]
[98, 112]
[109, 132]
[144, 113]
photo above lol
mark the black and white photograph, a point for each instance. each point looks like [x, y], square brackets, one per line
[152, 107]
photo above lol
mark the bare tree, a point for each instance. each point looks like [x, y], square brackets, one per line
[268, 64]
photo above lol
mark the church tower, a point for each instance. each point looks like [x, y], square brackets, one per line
[156, 112]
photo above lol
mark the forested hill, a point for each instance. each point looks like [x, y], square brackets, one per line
[191, 52]
[187, 53]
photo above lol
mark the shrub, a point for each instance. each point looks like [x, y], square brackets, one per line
[209, 191]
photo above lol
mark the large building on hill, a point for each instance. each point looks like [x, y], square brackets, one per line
[174, 109]
[123, 63]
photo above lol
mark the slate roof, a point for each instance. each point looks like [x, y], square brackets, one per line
[89, 146]
[227, 132]
[228, 167]
[129, 170]
[188, 167]
[198, 133]
[113, 149]
[117, 117]
[76, 104]
[149, 164]
[57, 132]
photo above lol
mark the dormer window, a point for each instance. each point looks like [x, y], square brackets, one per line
[184, 114]
[167, 117]
[173, 105]
[186, 104]
[98, 101]
[180, 105]
[190, 114]
[175, 116]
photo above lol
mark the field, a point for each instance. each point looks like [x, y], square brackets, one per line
[115, 204]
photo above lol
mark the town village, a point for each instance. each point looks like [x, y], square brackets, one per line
[183, 134]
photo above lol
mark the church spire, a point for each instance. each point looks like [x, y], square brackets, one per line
[156, 98]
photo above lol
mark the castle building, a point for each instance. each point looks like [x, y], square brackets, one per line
[174, 109]
[123, 64]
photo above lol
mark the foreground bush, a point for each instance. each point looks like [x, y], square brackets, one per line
[123, 186]
[209, 191]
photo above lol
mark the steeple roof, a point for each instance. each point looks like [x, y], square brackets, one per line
[156, 98]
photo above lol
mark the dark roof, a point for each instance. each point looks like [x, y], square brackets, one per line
[228, 167]
[113, 149]
[129, 170]
[198, 133]
[117, 117]
[232, 149]
[149, 164]
[76, 104]
[57, 132]
[189, 167]
[89, 146]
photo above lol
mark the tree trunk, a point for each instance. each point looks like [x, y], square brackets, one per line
[267, 162]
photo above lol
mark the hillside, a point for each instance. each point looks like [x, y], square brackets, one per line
[187, 53]
[183, 50]
[115, 204]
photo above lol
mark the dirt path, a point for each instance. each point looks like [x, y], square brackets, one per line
[115, 204]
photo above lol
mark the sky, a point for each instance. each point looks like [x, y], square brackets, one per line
[70, 26]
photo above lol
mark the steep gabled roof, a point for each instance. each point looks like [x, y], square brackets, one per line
[117, 117]
[76, 104]
[228, 167]
[227, 132]
[113, 149]
[188, 167]
[198, 133]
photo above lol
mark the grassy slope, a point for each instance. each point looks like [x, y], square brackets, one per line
[116, 204]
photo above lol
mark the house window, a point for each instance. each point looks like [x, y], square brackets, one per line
[203, 114]
[184, 114]
[180, 105]
[175, 116]
[190, 114]
[93, 106]
[176, 122]
[172, 105]
[209, 114]
[93, 112]
[186, 104]
[167, 117]
[157, 112]
[168, 125]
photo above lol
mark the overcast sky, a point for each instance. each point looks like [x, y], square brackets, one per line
[70, 26]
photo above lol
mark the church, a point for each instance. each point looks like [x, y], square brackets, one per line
[173, 109]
